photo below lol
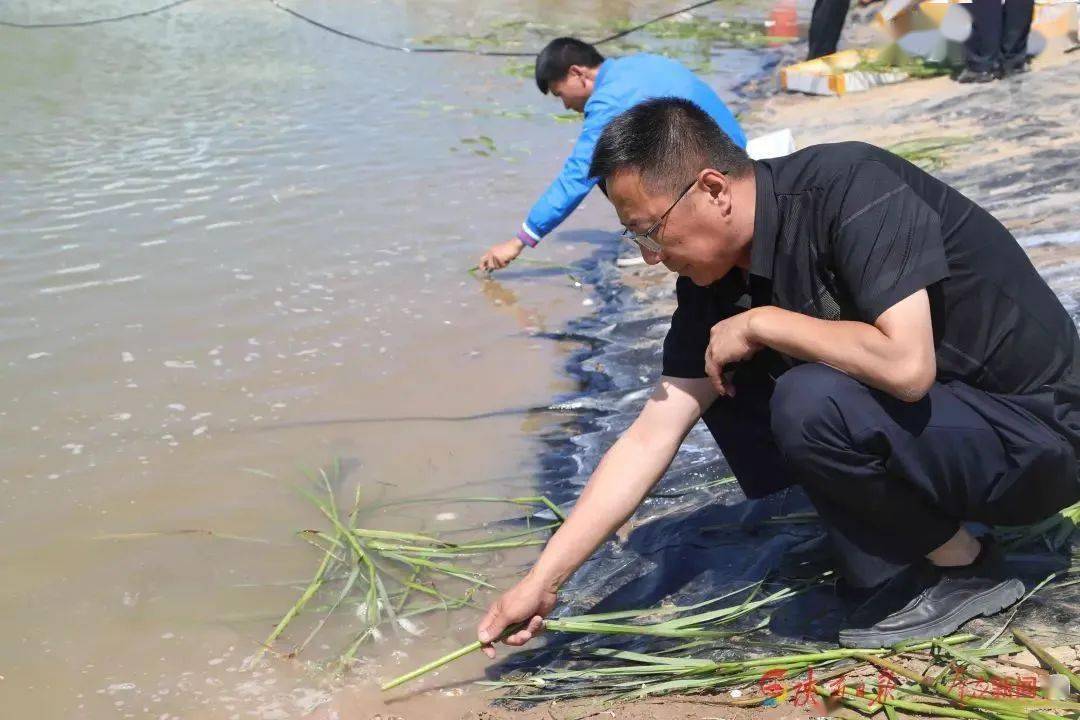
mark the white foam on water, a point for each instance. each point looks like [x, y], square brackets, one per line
[99, 211]
[90, 284]
[188, 219]
[79, 269]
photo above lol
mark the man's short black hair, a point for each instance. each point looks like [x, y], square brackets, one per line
[668, 141]
[554, 61]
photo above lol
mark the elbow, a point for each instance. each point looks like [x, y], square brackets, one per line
[913, 379]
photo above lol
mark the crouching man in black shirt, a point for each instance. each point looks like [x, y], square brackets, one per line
[848, 323]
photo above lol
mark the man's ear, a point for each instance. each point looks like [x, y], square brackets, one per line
[719, 186]
[716, 182]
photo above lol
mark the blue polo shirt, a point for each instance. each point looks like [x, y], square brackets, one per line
[620, 84]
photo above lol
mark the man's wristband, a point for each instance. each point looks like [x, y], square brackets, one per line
[526, 238]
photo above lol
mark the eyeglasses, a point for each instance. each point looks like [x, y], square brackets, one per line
[645, 240]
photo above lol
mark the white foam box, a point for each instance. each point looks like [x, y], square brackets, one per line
[836, 74]
[771, 145]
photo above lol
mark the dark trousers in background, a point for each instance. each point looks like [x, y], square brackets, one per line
[826, 24]
[894, 480]
[999, 34]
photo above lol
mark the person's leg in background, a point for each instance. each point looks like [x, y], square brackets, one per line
[826, 24]
[1016, 27]
[983, 46]
[895, 482]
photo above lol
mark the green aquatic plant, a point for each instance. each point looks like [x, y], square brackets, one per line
[666, 622]
[387, 577]
[527, 36]
[524, 70]
[566, 117]
[482, 145]
[730, 32]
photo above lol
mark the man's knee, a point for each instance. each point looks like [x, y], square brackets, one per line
[806, 410]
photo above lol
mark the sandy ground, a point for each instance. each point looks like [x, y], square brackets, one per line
[1020, 163]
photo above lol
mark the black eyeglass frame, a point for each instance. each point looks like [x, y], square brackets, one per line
[644, 240]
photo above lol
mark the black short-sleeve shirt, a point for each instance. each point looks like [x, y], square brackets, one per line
[844, 231]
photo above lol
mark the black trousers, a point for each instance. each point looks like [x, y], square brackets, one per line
[999, 34]
[826, 24]
[894, 480]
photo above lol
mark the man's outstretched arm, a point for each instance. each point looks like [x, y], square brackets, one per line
[563, 195]
[626, 473]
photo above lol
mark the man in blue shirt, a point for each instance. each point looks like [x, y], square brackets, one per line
[576, 73]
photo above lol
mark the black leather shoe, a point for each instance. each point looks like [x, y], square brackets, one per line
[951, 597]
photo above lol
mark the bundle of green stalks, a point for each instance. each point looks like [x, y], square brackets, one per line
[913, 67]
[694, 624]
[631, 675]
[387, 578]
[870, 682]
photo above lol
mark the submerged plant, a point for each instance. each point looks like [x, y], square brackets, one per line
[732, 32]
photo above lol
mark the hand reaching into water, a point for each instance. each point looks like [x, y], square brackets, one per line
[527, 602]
[501, 255]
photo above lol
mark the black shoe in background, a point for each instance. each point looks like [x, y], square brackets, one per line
[968, 75]
[949, 598]
[1008, 70]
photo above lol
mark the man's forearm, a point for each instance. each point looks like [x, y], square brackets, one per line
[620, 482]
[855, 348]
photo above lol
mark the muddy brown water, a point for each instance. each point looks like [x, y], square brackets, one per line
[224, 236]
